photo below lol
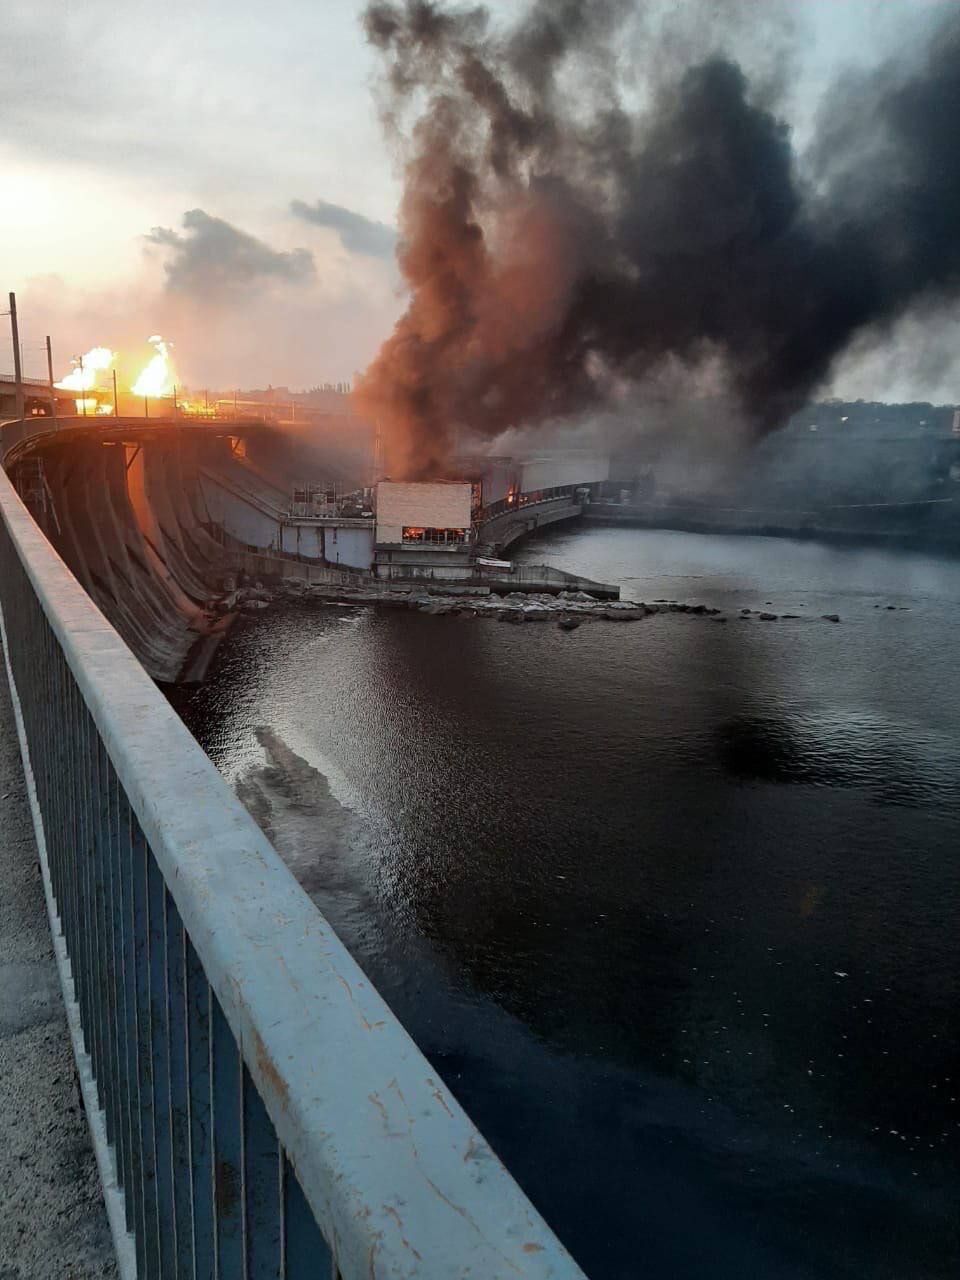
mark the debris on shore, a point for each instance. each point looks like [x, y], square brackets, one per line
[568, 609]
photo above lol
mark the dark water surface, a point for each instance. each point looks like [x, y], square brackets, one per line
[673, 906]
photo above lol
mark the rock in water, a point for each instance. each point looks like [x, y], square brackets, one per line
[768, 617]
[569, 624]
[830, 617]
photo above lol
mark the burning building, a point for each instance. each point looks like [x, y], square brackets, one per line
[423, 529]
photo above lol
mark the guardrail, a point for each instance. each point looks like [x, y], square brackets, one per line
[263, 1112]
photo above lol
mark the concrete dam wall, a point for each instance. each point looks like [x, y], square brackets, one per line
[154, 523]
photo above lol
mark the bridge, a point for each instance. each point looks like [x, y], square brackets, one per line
[255, 1108]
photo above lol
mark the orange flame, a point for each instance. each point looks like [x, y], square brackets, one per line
[83, 377]
[156, 378]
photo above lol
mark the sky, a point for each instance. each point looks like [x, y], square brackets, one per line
[215, 171]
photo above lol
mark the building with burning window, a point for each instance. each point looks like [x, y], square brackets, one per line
[423, 526]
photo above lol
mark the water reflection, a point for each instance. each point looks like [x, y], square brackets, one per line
[672, 906]
[896, 764]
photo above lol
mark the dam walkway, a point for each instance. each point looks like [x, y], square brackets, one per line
[52, 1217]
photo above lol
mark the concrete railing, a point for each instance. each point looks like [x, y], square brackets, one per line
[257, 1109]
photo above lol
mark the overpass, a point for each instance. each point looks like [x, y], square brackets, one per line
[255, 1108]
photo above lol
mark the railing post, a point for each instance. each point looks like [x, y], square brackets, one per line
[139, 857]
[178, 1049]
[200, 1112]
[306, 1255]
[159, 1049]
[226, 1106]
[117, 933]
[262, 1209]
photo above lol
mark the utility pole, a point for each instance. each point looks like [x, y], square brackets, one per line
[53, 390]
[116, 402]
[83, 390]
[17, 367]
[174, 401]
[146, 408]
[377, 451]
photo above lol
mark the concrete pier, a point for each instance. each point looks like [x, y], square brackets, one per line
[52, 1219]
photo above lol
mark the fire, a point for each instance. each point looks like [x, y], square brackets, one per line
[84, 375]
[156, 379]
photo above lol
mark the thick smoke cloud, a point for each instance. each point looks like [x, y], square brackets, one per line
[561, 245]
[357, 233]
[215, 261]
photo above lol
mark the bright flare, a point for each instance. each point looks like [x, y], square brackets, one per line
[84, 376]
[157, 378]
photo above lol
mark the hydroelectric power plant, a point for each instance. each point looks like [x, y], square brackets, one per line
[159, 517]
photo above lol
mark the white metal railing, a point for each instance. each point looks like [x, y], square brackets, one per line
[263, 1112]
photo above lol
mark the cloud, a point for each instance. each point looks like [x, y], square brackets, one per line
[357, 233]
[214, 260]
[293, 337]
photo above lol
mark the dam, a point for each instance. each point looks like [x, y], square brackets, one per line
[158, 519]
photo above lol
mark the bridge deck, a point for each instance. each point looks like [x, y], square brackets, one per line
[52, 1218]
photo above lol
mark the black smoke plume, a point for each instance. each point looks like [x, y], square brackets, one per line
[560, 246]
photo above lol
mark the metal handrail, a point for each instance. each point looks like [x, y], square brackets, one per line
[266, 1113]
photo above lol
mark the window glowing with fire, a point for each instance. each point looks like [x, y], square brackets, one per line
[436, 537]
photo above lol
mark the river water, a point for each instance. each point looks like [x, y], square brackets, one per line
[672, 905]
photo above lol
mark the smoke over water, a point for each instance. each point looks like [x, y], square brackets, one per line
[565, 237]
